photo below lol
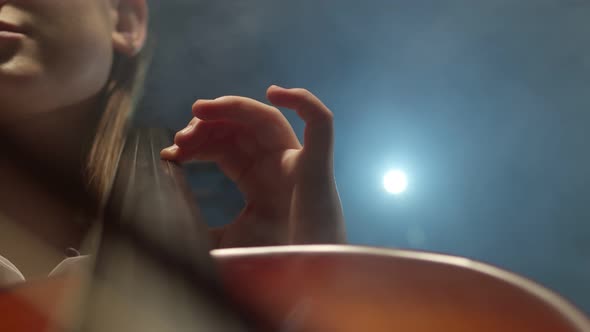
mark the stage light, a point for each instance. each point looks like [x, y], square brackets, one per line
[395, 182]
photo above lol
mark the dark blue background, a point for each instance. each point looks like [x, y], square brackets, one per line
[485, 104]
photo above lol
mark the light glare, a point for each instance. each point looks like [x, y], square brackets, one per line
[395, 182]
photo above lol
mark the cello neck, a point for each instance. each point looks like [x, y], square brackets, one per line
[154, 255]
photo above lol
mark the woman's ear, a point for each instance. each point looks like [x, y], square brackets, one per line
[130, 31]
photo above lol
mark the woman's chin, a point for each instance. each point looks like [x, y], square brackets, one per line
[18, 70]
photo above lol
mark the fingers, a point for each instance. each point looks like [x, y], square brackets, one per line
[267, 125]
[194, 133]
[319, 129]
[228, 144]
[270, 126]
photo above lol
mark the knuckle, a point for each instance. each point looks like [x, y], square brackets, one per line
[308, 100]
[232, 101]
[326, 117]
[178, 138]
[303, 93]
[186, 134]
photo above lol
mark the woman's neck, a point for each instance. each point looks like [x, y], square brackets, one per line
[43, 188]
[59, 139]
[36, 225]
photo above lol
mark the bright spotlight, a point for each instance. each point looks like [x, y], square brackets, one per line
[395, 182]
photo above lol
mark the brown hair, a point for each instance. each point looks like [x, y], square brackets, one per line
[120, 99]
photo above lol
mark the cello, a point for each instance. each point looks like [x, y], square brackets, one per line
[154, 271]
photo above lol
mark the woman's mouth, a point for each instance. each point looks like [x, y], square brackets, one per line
[10, 31]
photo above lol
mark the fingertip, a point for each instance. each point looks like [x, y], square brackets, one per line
[269, 91]
[274, 86]
[275, 94]
[169, 153]
[197, 112]
[198, 103]
[202, 101]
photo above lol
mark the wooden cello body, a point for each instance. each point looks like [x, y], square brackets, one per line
[347, 288]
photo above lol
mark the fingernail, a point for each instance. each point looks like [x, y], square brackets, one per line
[172, 148]
[200, 101]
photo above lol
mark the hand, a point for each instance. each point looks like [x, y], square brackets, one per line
[289, 189]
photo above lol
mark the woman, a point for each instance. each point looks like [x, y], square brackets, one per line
[70, 75]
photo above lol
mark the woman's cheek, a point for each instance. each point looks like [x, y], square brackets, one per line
[82, 54]
[66, 58]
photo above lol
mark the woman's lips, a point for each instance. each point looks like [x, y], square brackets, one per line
[5, 26]
[10, 31]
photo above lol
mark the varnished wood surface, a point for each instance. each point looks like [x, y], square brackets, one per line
[345, 288]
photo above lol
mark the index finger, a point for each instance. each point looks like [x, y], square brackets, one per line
[319, 128]
[270, 125]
